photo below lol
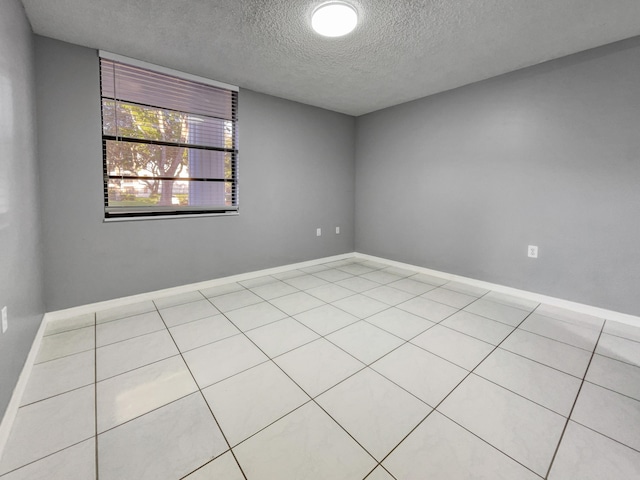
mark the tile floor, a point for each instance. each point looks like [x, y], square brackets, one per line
[346, 370]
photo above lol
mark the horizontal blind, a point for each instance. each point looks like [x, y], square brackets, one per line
[169, 143]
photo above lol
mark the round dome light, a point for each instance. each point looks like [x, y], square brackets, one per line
[334, 19]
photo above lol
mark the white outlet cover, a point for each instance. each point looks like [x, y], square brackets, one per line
[318, 232]
[5, 319]
[532, 251]
[337, 230]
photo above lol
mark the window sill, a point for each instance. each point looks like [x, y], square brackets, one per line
[169, 217]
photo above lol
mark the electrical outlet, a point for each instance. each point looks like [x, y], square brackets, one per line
[5, 319]
[337, 230]
[532, 251]
[318, 232]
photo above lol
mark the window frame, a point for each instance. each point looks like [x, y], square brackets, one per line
[152, 212]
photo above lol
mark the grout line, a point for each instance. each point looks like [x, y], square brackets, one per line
[605, 436]
[540, 363]
[575, 401]
[312, 399]
[199, 390]
[9, 472]
[447, 396]
[95, 392]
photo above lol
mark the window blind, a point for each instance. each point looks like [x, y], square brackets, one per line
[169, 143]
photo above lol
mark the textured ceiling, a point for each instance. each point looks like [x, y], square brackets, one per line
[401, 50]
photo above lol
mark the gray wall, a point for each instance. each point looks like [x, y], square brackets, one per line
[296, 174]
[20, 258]
[463, 181]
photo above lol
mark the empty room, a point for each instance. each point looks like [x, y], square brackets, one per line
[319, 240]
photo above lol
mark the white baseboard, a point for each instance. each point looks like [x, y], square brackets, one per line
[537, 297]
[16, 397]
[118, 302]
[12, 410]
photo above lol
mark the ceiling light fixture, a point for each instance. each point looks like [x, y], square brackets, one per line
[334, 19]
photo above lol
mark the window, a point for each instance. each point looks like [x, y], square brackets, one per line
[169, 141]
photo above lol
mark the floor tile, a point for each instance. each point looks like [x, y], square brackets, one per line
[440, 449]
[318, 366]
[569, 359]
[403, 324]
[428, 309]
[364, 341]
[516, 426]
[412, 286]
[274, 290]
[231, 301]
[201, 332]
[165, 444]
[357, 284]
[609, 413]
[342, 263]
[223, 289]
[188, 312]
[66, 324]
[425, 375]
[315, 269]
[627, 351]
[479, 327]
[179, 299]
[388, 295]
[219, 360]
[360, 306]
[288, 274]
[330, 292]
[497, 311]
[258, 281]
[577, 318]
[49, 426]
[297, 303]
[305, 282]
[281, 336]
[581, 337]
[257, 315]
[587, 455]
[74, 463]
[356, 269]
[67, 343]
[316, 449]
[512, 301]
[376, 412]
[233, 401]
[372, 264]
[326, 319]
[381, 276]
[623, 330]
[461, 349]
[224, 468]
[401, 272]
[449, 297]
[59, 376]
[135, 393]
[615, 375]
[431, 279]
[465, 288]
[547, 387]
[129, 327]
[136, 352]
[333, 275]
[124, 311]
